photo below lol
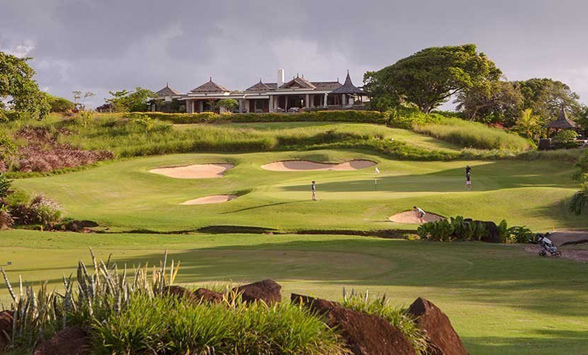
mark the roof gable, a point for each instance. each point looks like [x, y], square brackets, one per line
[166, 91]
[298, 83]
[260, 87]
[210, 87]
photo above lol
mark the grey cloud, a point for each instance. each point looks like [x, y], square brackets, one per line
[104, 45]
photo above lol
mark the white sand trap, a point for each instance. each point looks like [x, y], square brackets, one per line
[196, 171]
[210, 199]
[410, 217]
[303, 165]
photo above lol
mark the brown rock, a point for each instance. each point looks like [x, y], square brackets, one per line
[69, 341]
[443, 340]
[6, 318]
[364, 334]
[267, 291]
[206, 295]
[179, 292]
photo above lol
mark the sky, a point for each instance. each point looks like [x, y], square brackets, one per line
[108, 45]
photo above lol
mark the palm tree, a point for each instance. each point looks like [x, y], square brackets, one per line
[528, 124]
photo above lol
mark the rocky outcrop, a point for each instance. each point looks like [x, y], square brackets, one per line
[6, 318]
[443, 340]
[179, 292]
[206, 295]
[364, 334]
[267, 291]
[69, 341]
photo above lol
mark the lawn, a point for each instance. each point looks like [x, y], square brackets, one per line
[125, 196]
[501, 299]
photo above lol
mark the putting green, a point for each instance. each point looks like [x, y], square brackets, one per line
[125, 196]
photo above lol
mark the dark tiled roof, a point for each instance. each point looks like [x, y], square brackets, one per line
[347, 87]
[262, 87]
[563, 122]
[166, 91]
[326, 85]
[210, 86]
[300, 82]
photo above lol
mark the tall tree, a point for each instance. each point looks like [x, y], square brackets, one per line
[16, 83]
[491, 102]
[129, 101]
[430, 77]
[546, 97]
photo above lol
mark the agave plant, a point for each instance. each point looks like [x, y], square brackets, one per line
[91, 297]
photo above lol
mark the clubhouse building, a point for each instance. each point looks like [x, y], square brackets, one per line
[291, 96]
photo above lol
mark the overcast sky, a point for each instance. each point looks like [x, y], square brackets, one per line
[102, 45]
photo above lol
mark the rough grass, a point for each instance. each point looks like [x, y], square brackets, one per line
[468, 134]
[171, 326]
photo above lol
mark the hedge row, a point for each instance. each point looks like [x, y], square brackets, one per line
[319, 116]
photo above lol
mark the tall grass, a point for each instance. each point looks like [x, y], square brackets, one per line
[474, 135]
[168, 325]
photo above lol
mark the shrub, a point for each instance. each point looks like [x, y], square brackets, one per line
[565, 139]
[5, 184]
[317, 116]
[40, 210]
[458, 228]
[397, 316]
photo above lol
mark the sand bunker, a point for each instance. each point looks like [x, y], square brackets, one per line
[303, 165]
[196, 171]
[568, 237]
[410, 217]
[210, 199]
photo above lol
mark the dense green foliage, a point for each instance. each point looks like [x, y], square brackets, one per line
[491, 102]
[127, 101]
[228, 105]
[459, 229]
[317, 116]
[428, 78]
[60, 104]
[16, 81]
[504, 102]
[579, 202]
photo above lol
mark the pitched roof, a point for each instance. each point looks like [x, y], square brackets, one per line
[166, 91]
[209, 87]
[261, 86]
[299, 82]
[326, 85]
[563, 122]
[347, 87]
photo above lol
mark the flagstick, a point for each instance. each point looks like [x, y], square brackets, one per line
[376, 182]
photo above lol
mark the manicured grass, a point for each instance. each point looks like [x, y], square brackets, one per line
[501, 299]
[125, 196]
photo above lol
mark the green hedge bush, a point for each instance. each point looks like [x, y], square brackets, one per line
[317, 116]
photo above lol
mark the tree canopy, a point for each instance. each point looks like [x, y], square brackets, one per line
[131, 101]
[429, 77]
[491, 102]
[17, 85]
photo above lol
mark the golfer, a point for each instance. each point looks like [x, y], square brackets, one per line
[468, 173]
[313, 188]
[419, 212]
